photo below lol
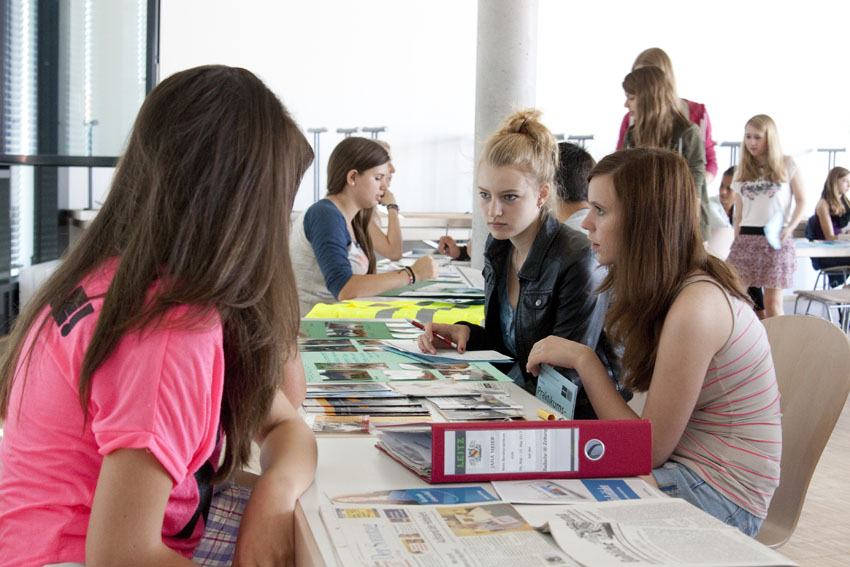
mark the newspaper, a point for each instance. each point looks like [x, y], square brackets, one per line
[491, 535]
[638, 533]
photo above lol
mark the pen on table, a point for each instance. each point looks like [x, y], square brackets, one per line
[545, 415]
[419, 325]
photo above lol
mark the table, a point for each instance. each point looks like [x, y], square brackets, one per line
[722, 237]
[838, 299]
[821, 248]
[336, 475]
[353, 465]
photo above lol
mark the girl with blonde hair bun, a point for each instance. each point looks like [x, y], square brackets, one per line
[765, 184]
[539, 273]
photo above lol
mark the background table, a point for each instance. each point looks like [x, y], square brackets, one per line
[821, 249]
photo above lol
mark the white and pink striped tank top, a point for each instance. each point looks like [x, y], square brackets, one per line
[733, 439]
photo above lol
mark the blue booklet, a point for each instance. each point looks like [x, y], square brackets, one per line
[412, 496]
[557, 390]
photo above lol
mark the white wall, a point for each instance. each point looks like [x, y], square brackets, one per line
[409, 65]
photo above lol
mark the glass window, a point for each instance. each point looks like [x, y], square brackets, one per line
[72, 77]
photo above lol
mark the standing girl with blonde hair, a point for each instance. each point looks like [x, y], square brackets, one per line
[689, 338]
[766, 184]
[538, 273]
[659, 123]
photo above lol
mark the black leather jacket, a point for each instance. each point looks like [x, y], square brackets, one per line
[555, 298]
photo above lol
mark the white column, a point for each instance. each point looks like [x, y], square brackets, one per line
[505, 80]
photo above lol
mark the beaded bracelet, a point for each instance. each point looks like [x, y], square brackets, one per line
[392, 206]
[410, 274]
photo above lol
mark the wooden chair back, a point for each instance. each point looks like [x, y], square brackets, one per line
[812, 361]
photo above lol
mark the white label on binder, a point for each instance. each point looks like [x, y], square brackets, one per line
[483, 451]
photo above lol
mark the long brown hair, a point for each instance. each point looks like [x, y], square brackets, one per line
[658, 114]
[359, 154]
[199, 203]
[660, 246]
[657, 57]
[836, 202]
[774, 170]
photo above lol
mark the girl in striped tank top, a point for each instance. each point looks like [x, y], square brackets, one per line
[689, 340]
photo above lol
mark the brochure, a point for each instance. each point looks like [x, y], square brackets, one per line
[351, 390]
[482, 414]
[479, 402]
[436, 289]
[352, 329]
[443, 289]
[557, 391]
[574, 490]
[339, 424]
[441, 388]
[359, 402]
[411, 348]
[421, 496]
[344, 425]
[370, 410]
[384, 366]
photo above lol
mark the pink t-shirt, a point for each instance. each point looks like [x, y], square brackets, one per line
[160, 390]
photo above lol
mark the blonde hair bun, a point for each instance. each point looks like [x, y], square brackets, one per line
[523, 142]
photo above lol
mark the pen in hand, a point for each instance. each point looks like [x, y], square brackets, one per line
[419, 325]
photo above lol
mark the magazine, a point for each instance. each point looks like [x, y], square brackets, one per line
[348, 425]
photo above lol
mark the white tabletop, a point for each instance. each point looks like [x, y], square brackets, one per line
[820, 249]
[352, 465]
